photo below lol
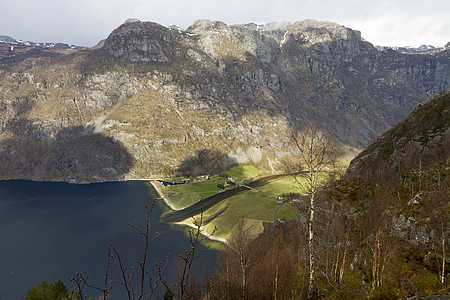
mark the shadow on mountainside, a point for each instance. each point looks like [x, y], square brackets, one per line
[206, 162]
[70, 155]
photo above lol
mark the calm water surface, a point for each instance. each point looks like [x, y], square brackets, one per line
[50, 231]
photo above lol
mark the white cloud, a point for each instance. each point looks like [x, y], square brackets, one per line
[85, 22]
[412, 24]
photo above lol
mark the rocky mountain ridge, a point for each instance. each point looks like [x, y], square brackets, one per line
[162, 94]
[13, 41]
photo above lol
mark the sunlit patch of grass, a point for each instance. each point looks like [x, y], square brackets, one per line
[184, 195]
[255, 206]
[238, 173]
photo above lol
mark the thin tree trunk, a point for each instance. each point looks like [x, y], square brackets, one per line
[341, 273]
[244, 280]
[443, 256]
[276, 280]
[337, 260]
[375, 260]
[311, 247]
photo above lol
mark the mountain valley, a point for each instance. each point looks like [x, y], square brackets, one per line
[219, 105]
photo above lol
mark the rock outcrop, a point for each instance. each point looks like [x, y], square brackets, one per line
[136, 41]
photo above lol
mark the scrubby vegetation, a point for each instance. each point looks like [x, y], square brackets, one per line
[380, 232]
[372, 241]
[43, 290]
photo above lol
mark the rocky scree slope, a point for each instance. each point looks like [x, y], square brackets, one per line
[160, 95]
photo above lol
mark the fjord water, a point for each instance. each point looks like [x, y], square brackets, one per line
[49, 231]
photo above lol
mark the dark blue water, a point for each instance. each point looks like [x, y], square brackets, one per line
[50, 231]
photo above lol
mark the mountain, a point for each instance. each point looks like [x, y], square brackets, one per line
[13, 51]
[421, 48]
[410, 166]
[10, 40]
[153, 97]
[402, 183]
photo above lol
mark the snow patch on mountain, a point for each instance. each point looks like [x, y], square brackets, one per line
[10, 40]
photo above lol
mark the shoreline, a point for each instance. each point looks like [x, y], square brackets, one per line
[166, 201]
[202, 232]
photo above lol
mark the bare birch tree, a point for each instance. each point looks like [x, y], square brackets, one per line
[437, 206]
[316, 155]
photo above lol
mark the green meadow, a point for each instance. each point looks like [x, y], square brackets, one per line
[255, 206]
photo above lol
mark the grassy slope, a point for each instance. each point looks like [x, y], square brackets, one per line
[254, 206]
[257, 206]
[182, 196]
[242, 172]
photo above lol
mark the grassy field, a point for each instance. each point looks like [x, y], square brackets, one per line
[282, 186]
[254, 206]
[184, 195]
[241, 172]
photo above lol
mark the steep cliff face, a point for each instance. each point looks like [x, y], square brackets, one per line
[370, 89]
[164, 93]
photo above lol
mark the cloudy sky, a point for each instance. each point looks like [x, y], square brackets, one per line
[85, 22]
